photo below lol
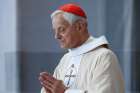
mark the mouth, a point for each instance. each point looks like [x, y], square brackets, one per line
[61, 41]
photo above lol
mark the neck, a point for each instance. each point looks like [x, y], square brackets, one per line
[84, 37]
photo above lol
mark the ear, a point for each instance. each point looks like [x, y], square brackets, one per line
[79, 25]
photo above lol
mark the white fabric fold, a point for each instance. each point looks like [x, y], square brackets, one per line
[75, 91]
[90, 44]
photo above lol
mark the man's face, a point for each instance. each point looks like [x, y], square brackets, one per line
[65, 32]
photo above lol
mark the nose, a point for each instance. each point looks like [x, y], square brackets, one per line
[57, 35]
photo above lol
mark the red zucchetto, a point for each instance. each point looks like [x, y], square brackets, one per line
[74, 9]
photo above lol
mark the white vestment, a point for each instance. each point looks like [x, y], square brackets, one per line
[90, 68]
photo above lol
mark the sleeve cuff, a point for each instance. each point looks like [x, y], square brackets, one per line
[43, 90]
[75, 91]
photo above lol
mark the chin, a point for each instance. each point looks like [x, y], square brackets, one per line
[64, 47]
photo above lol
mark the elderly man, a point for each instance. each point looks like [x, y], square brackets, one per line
[89, 66]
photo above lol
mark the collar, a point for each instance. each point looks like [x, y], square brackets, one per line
[89, 45]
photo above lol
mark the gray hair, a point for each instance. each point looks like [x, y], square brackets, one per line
[71, 18]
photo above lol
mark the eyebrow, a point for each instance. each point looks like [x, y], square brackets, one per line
[58, 27]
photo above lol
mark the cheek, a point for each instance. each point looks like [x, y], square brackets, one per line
[70, 40]
[67, 38]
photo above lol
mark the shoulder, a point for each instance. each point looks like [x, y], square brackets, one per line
[101, 56]
[63, 60]
[65, 57]
[101, 51]
[106, 58]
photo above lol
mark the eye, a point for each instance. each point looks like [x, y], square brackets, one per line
[61, 29]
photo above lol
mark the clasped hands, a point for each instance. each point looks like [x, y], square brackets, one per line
[51, 84]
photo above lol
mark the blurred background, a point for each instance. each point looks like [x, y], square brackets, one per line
[27, 45]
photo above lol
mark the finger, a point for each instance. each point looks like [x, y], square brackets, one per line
[48, 84]
[41, 79]
[47, 75]
[47, 90]
[45, 81]
[48, 78]
[47, 87]
[42, 73]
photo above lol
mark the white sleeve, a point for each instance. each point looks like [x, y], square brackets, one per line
[67, 91]
[54, 75]
[107, 77]
[43, 90]
[75, 91]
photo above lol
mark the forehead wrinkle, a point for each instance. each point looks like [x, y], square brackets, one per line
[59, 20]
